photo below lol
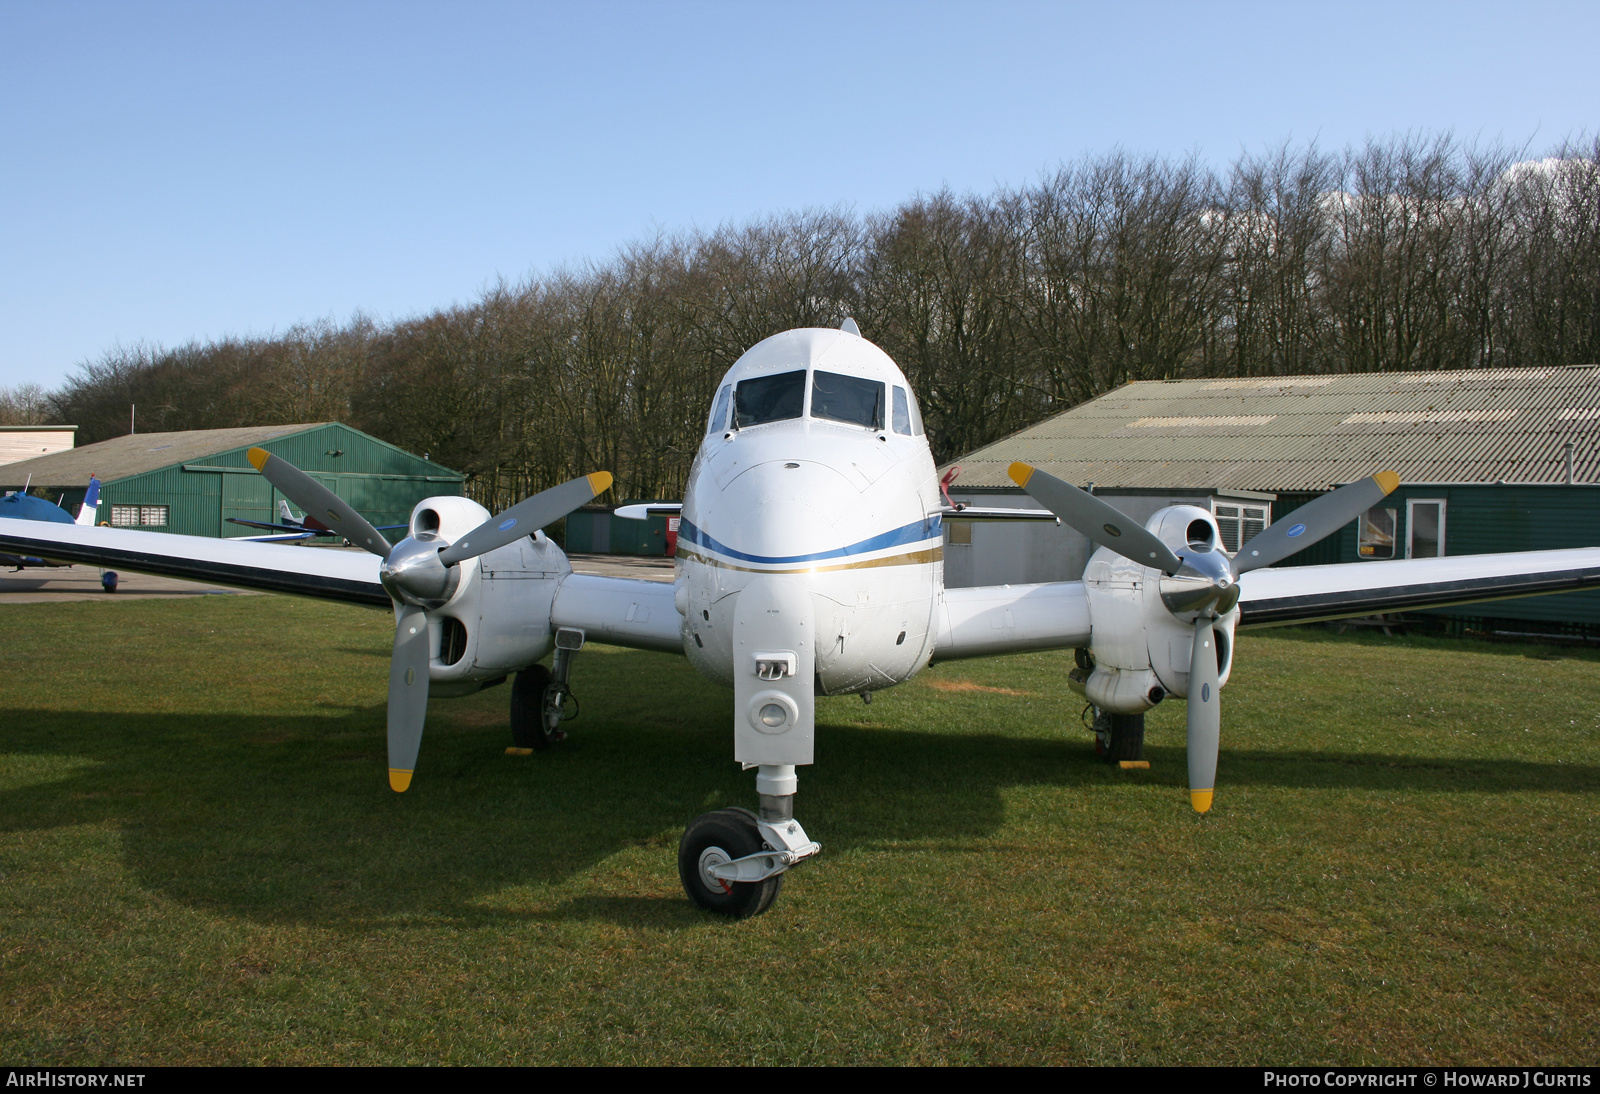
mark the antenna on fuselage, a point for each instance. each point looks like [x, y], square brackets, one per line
[849, 327]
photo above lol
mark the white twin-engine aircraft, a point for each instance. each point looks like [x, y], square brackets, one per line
[810, 562]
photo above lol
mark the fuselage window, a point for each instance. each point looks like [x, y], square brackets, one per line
[847, 399]
[719, 416]
[902, 412]
[769, 398]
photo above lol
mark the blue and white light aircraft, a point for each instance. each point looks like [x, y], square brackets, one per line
[24, 506]
[810, 562]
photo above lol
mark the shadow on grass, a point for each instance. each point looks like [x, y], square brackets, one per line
[290, 820]
[1543, 651]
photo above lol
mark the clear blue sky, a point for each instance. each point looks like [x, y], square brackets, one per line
[171, 171]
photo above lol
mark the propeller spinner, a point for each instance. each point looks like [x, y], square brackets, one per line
[419, 573]
[1202, 581]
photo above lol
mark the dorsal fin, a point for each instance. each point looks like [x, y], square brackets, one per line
[849, 327]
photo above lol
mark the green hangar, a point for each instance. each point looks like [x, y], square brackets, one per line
[1490, 461]
[192, 482]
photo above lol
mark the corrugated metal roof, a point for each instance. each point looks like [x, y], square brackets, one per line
[1291, 433]
[137, 453]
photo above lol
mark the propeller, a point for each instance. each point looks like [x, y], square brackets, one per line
[1204, 714]
[420, 572]
[1202, 581]
[1103, 524]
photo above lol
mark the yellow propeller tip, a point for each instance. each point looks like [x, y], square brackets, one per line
[258, 457]
[599, 482]
[399, 780]
[1388, 480]
[1020, 473]
[1200, 799]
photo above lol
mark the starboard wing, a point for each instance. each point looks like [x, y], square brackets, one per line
[1306, 594]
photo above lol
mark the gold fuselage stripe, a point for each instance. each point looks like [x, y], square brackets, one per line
[913, 558]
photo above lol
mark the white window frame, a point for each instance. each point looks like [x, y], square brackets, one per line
[143, 516]
[1394, 546]
[1241, 504]
[1411, 524]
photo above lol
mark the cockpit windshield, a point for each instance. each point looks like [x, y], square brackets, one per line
[847, 399]
[769, 399]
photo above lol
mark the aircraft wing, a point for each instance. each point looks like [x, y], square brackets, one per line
[617, 611]
[278, 537]
[350, 576]
[1305, 594]
[646, 510]
[979, 512]
[273, 527]
[998, 619]
[994, 619]
[620, 611]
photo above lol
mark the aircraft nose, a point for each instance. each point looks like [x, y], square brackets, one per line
[784, 509]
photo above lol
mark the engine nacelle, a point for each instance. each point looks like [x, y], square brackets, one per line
[497, 619]
[1142, 649]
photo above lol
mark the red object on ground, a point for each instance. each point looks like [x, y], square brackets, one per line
[672, 535]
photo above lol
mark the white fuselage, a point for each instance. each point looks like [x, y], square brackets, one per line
[845, 512]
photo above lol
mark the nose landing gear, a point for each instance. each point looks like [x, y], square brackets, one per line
[732, 862]
[714, 840]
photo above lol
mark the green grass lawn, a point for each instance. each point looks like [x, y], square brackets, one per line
[201, 861]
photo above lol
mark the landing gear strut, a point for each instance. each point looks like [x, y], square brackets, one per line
[732, 861]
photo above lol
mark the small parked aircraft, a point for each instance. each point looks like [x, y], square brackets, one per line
[24, 506]
[810, 562]
[290, 528]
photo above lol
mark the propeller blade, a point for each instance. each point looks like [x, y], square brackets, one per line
[1103, 524]
[408, 694]
[1204, 715]
[317, 501]
[526, 517]
[1310, 523]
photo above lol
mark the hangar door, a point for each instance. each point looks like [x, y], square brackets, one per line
[251, 497]
[247, 497]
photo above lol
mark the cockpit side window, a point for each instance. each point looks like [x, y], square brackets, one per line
[719, 415]
[847, 399]
[902, 412]
[916, 415]
[769, 398]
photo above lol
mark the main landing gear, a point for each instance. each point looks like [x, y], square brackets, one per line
[1118, 737]
[540, 696]
[732, 861]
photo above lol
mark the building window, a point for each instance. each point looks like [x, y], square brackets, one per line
[1239, 524]
[138, 516]
[1375, 540]
[1425, 528]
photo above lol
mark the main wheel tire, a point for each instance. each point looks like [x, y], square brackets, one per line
[723, 836]
[527, 709]
[1127, 738]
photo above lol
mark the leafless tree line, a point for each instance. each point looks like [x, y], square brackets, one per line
[1409, 253]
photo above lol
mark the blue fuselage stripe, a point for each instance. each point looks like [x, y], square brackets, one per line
[916, 532]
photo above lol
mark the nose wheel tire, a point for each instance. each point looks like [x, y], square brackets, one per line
[712, 839]
[529, 726]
